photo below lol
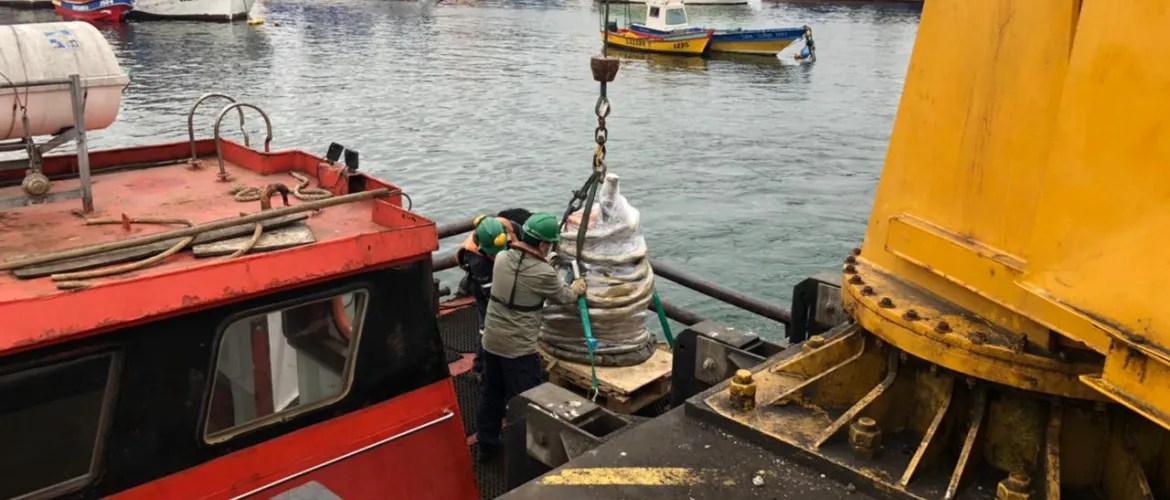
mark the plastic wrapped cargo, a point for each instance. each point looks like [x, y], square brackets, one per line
[40, 52]
[620, 286]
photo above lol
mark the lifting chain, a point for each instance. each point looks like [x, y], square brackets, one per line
[600, 134]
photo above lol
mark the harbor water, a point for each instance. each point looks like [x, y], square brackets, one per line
[751, 172]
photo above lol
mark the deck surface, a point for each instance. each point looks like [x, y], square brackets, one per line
[676, 457]
[170, 191]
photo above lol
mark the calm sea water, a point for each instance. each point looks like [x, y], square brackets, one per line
[753, 173]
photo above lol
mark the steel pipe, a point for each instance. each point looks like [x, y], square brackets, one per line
[737, 299]
[455, 228]
[678, 314]
[443, 263]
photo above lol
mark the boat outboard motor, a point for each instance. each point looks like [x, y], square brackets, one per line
[621, 286]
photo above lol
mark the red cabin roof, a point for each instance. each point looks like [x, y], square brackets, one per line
[156, 181]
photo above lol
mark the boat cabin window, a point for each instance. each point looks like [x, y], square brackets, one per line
[676, 16]
[276, 364]
[653, 11]
[52, 423]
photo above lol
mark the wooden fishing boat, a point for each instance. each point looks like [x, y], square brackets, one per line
[668, 18]
[689, 44]
[109, 11]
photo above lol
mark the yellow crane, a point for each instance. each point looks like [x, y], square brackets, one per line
[1007, 313]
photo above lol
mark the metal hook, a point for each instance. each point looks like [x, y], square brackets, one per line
[223, 175]
[191, 121]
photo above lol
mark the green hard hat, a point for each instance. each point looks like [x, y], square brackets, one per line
[544, 227]
[491, 236]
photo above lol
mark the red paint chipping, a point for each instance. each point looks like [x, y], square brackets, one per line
[155, 181]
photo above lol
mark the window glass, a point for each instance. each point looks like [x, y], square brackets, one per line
[676, 16]
[653, 11]
[52, 421]
[283, 362]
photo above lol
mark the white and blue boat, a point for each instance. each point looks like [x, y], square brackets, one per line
[669, 17]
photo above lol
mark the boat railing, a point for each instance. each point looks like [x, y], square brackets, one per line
[223, 175]
[706, 288]
[191, 123]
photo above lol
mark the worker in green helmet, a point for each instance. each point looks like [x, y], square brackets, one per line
[523, 280]
[476, 256]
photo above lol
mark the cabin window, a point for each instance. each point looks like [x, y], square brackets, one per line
[276, 364]
[52, 424]
[676, 16]
[653, 11]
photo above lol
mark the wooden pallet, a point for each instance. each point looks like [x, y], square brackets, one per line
[620, 389]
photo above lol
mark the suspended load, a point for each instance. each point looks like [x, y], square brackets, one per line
[620, 286]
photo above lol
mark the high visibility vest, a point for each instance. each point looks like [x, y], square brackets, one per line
[469, 244]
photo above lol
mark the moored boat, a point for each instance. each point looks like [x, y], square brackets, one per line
[193, 10]
[665, 18]
[693, 44]
[111, 11]
[664, 38]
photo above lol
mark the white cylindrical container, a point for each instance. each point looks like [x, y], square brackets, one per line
[31, 53]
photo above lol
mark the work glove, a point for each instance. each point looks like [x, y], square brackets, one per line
[578, 287]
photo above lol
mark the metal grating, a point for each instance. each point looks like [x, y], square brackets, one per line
[490, 476]
[467, 392]
[452, 356]
[460, 330]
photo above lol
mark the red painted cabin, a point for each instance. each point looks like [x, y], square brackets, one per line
[315, 371]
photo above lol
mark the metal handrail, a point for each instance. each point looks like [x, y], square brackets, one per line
[191, 120]
[223, 176]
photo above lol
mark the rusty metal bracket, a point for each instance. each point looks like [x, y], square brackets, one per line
[223, 175]
[194, 161]
[852, 412]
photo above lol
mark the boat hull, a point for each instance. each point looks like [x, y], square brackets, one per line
[106, 11]
[194, 10]
[692, 44]
[768, 41]
[759, 42]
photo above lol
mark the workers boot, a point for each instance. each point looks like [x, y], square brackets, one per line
[485, 452]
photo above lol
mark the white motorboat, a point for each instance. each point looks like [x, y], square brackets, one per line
[197, 10]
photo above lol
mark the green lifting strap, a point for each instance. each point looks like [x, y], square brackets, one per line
[662, 319]
[590, 342]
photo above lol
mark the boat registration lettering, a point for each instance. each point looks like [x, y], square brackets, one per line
[682, 45]
[637, 42]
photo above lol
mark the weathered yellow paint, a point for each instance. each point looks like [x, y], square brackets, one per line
[1028, 183]
[971, 139]
[978, 349]
[1103, 210]
[631, 476]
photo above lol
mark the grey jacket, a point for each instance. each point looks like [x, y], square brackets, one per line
[526, 281]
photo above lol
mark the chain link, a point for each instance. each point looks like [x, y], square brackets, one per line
[600, 134]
